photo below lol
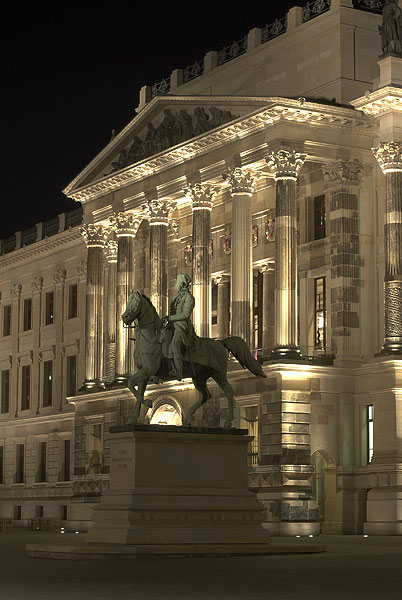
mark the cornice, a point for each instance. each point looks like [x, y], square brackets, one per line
[40, 248]
[274, 111]
[385, 100]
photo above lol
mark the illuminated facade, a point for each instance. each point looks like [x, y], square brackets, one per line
[252, 171]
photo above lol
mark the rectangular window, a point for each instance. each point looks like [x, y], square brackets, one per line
[249, 421]
[64, 512]
[1, 464]
[17, 513]
[71, 375]
[7, 320]
[65, 473]
[19, 463]
[5, 391]
[39, 511]
[25, 387]
[27, 314]
[72, 301]
[319, 218]
[95, 448]
[370, 432]
[320, 314]
[42, 462]
[49, 308]
[47, 382]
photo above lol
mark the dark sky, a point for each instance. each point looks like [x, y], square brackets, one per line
[71, 72]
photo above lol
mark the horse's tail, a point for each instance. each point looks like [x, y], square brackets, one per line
[238, 347]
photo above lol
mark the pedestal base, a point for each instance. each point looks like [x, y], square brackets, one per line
[178, 486]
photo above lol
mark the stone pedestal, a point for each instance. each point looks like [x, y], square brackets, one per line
[179, 485]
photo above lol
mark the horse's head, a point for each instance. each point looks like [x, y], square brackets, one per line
[133, 307]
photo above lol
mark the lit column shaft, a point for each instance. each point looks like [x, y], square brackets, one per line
[95, 237]
[242, 188]
[159, 212]
[126, 226]
[285, 166]
[389, 157]
[201, 198]
[110, 334]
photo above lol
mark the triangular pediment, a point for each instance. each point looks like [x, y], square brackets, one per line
[166, 122]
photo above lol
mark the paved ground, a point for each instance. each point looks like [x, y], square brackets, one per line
[353, 568]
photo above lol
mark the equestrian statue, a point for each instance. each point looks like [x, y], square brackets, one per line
[169, 349]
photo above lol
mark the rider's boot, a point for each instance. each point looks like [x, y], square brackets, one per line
[178, 367]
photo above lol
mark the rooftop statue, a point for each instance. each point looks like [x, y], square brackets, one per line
[391, 28]
[170, 349]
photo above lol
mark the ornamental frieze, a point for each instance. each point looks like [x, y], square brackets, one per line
[175, 128]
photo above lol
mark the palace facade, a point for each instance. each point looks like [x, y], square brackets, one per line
[271, 173]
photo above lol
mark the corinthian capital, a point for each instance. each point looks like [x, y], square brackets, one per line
[285, 164]
[94, 235]
[37, 284]
[125, 224]
[158, 211]
[111, 251]
[201, 196]
[15, 290]
[241, 181]
[347, 172]
[389, 156]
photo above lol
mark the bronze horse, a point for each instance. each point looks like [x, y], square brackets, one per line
[208, 359]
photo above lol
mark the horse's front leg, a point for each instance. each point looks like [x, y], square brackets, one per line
[139, 379]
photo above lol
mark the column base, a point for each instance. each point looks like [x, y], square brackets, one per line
[284, 352]
[120, 380]
[89, 386]
[391, 348]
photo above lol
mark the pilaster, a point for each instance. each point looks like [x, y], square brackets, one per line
[36, 287]
[268, 307]
[15, 293]
[223, 308]
[342, 186]
[285, 166]
[59, 279]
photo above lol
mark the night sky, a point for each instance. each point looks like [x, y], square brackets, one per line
[72, 71]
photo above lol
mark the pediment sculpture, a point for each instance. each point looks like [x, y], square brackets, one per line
[175, 127]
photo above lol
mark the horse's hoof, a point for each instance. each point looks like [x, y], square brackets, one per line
[188, 421]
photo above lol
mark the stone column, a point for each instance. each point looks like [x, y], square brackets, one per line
[285, 166]
[159, 213]
[95, 237]
[110, 333]
[389, 157]
[268, 306]
[201, 198]
[223, 309]
[242, 188]
[125, 226]
[341, 184]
